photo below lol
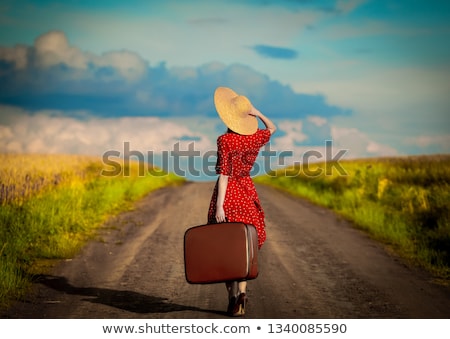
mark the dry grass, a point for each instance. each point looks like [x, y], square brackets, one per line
[51, 204]
[24, 175]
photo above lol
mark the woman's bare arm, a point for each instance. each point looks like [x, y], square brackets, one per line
[221, 189]
[266, 121]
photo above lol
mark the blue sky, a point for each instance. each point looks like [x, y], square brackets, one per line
[85, 77]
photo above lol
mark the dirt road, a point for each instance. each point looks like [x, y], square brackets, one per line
[313, 265]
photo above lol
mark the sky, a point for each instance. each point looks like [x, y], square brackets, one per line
[368, 77]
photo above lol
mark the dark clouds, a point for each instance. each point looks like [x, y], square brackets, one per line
[54, 75]
[275, 52]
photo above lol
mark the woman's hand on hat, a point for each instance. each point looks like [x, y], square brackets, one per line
[254, 112]
[266, 121]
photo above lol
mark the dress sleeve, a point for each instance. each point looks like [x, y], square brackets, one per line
[262, 137]
[223, 165]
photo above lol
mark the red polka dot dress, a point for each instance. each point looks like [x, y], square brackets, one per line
[236, 155]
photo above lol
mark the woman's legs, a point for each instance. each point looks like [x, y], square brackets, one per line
[235, 288]
[242, 299]
[237, 297]
[242, 286]
[232, 288]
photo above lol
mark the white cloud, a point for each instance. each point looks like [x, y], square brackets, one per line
[292, 135]
[53, 48]
[41, 132]
[376, 149]
[390, 106]
[359, 144]
[351, 141]
[318, 121]
[130, 65]
[17, 55]
[52, 132]
[442, 142]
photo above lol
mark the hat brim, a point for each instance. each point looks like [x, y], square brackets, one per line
[245, 125]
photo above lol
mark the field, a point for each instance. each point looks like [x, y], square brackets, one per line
[402, 202]
[51, 204]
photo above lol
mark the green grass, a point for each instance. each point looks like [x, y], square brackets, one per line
[402, 202]
[53, 221]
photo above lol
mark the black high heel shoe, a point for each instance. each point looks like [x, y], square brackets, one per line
[239, 309]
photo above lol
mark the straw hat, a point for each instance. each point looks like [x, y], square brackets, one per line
[233, 109]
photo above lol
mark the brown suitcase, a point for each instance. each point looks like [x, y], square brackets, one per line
[221, 252]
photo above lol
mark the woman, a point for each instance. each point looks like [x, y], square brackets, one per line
[235, 198]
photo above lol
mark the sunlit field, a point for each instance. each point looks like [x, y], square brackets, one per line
[403, 202]
[51, 204]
